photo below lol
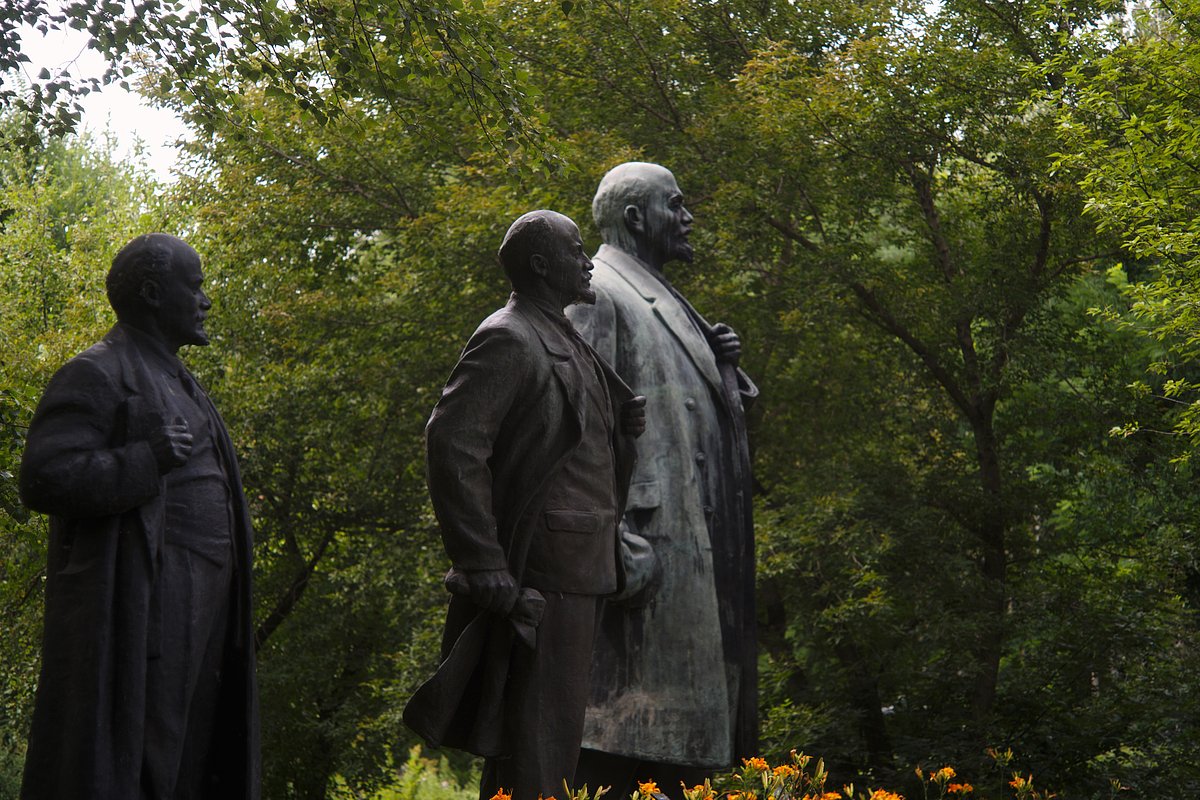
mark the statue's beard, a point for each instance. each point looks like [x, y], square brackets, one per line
[681, 249]
[585, 297]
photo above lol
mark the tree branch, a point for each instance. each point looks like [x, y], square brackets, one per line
[285, 604]
[884, 318]
[790, 232]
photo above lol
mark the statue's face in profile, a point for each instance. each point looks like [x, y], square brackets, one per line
[668, 223]
[570, 273]
[183, 305]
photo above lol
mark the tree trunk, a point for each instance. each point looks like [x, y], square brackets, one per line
[991, 530]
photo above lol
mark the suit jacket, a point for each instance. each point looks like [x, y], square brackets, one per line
[508, 419]
[88, 464]
[690, 499]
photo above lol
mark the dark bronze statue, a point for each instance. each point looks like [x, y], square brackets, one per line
[529, 455]
[674, 680]
[147, 689]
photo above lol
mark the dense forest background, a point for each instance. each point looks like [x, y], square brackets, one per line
[959, 240]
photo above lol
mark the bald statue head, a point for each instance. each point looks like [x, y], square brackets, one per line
[639, 208]
[542, 255]
[155, 284]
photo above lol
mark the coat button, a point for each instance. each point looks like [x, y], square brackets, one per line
[690, 404]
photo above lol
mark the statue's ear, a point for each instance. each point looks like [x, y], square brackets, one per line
[539, 265]
[634, 219]
[149, 293]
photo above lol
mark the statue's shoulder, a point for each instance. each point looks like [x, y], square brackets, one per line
[116, 360]
[506, 327]
[101, 358]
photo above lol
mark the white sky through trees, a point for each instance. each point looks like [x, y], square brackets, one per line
[126, 115]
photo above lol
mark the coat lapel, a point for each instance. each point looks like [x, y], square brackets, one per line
[144, 408]
[566, 367]
[668, 310]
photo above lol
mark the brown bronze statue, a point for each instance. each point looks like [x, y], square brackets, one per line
[147, 688]
[529, 455]
[674, 679]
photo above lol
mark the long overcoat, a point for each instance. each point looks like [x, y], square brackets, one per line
[88, 464]
[508, 419]
[674, 678]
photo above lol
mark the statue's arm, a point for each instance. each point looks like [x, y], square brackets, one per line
[71, 467]
[459, 439]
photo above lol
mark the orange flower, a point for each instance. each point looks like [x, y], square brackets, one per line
[756, 763]
[960, 788]
[502, 795]
[785, 771]
[1020, 783]
[942, 775]
[883, 794]
[647, 789]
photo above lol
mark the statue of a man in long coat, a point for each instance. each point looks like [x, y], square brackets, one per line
[147, 690]
[673, 678]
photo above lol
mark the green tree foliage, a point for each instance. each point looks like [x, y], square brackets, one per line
[954, 552]
[1133, 131]
[320, 57]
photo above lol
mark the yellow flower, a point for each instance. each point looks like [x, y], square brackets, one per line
[756, 763]
[960, 788]
[942, 775]
[1018, 782]
[785, 771]
[647, 789]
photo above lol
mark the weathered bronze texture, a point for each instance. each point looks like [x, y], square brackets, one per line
[674, 677]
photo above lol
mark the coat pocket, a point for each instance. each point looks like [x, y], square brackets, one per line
[573, 521]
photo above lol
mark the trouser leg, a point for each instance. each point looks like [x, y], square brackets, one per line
[182, 683]
[545, 699]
